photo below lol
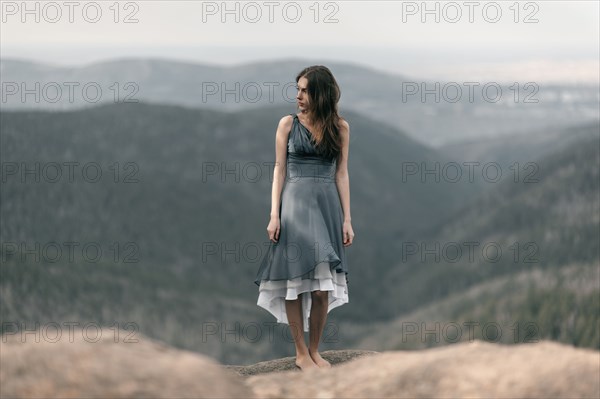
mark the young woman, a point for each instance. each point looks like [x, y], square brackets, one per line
[304, 272]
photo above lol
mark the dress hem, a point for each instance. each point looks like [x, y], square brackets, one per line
[272, 298]
[335, 263]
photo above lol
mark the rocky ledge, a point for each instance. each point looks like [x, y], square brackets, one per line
[149, 369]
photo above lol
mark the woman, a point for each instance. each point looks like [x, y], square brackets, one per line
[304, 273]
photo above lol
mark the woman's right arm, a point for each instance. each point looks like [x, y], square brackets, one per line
[279, 173]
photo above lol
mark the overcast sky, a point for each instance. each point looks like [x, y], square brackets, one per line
[550, 40]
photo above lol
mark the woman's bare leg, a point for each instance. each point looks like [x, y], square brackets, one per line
[318, 315]
[294, 314]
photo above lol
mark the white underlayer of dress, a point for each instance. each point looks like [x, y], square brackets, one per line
[273, 294]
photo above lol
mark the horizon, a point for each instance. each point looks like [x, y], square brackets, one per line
[542, 41]
[581, 72]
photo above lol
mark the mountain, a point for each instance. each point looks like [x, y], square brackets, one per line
[179, 215]
[125, 216]
[535, 263]
[431, 112]
[520, 148]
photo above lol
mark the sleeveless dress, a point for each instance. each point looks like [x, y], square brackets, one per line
[309, 254]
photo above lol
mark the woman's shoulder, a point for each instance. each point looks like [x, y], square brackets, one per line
[285, 124]
[343, 124]
[286, 120]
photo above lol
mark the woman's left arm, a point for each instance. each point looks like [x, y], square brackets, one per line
[342, 181]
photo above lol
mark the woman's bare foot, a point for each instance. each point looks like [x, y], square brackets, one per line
[320, 362]
[305, 362]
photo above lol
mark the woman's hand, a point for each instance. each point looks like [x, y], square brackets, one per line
[273, 228]
[347, 234]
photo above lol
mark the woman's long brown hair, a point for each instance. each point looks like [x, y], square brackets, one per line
[324, 94]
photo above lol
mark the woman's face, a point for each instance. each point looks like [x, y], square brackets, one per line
[302, 96]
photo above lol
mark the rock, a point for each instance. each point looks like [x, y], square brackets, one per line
[289, 363]
[150, 369]
[105, 369]
[475, 369]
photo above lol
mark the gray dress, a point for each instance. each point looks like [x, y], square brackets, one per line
[309, 254]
